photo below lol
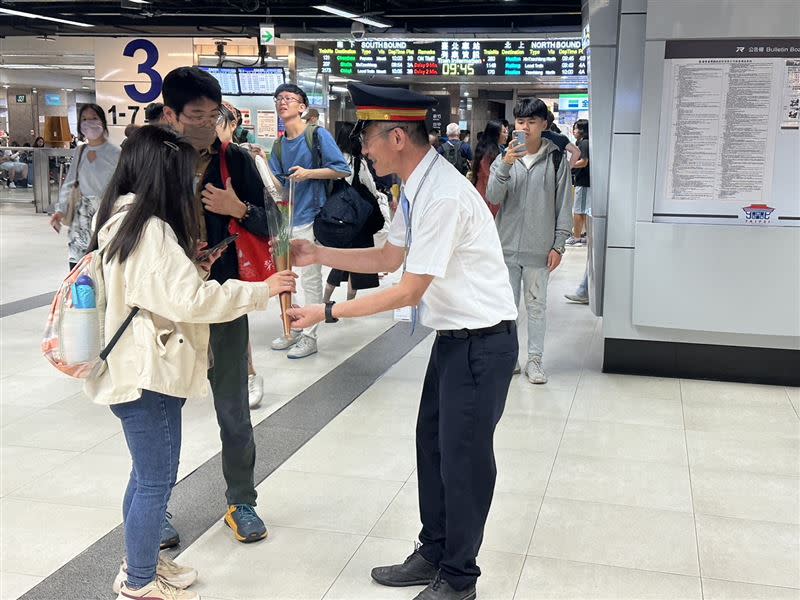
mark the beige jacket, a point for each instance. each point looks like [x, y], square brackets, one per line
[165, 348]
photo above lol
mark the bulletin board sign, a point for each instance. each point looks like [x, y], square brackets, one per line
[729, 143]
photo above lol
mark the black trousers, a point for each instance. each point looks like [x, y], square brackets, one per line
[463, 398]
[228, 377]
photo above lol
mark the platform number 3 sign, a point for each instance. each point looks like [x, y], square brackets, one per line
[147, 54]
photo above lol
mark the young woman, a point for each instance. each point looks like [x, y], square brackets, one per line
[351, 150]
[147, 231]
[487, 150]
[38, 142]
[92, 166]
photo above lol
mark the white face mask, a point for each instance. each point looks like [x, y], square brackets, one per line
[92, 129]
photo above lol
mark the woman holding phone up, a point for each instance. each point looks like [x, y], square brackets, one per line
[147, 231]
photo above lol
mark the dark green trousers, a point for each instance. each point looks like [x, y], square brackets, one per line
[228, 377]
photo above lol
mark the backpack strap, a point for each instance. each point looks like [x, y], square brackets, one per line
[78, 165]
[223, 162]
[557, 155]
[312, 140]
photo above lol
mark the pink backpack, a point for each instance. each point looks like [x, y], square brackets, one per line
[74, 336]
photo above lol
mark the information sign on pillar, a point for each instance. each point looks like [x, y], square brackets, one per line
[129, 74]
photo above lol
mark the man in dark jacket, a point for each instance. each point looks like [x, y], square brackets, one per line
[192, 101]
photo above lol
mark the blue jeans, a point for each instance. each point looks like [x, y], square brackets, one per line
[152, 427]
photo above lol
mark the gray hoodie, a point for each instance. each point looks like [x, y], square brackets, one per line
[537, 213]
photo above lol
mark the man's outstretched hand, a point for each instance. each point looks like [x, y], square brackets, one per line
[306, 316]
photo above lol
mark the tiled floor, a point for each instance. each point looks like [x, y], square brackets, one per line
[609, 487]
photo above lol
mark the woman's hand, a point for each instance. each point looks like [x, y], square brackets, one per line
[55, 221]
[209, 260]
[284, 281]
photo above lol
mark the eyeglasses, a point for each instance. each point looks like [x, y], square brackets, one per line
[286, 100]
[365, 140]
[210, 120]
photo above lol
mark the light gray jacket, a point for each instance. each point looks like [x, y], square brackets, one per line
[536, 214]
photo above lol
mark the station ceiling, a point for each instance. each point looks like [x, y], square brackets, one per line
[237, 18]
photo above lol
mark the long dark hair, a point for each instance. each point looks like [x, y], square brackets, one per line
[158, 166]
[488, 146]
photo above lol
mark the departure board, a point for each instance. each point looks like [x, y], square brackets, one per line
[453, 58]
[260, 81]
[226, 76]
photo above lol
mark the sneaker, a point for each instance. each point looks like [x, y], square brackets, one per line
[169, 535]
[12, 185]
[168, 570]
[535, 371]
[571, 241]
[415, 570]
[305, 347]
[157, 590]
[577, 299]
[255, 390]
[439, 589]
[282, 343]
[247, 526]
[583, 241]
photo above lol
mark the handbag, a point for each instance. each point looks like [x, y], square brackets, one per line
[252, 251]
[75, 195]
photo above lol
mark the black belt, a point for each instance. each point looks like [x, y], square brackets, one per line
[462, 334]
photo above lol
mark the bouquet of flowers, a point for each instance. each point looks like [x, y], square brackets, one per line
[282, 247]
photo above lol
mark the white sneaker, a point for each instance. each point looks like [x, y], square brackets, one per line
[306, 346]
[255, 390]
[282, 343]
[577, 298]
[157, 590]
[12, 185]
[168, 570]
[535, 371]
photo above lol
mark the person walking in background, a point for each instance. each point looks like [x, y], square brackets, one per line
[148, 232]
[531, 182]
[89, 172]
[311, 116]
[580, 178]
[488, 149]
[457, 153]
[361, 180]
[553, 133]
[308, 155]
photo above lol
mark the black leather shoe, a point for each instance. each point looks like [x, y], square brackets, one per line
[414, 571]
[439, 589]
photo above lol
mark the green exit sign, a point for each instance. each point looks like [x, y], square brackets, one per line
[22, 99]
[266, 34]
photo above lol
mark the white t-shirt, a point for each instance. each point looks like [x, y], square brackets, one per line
[453, 238]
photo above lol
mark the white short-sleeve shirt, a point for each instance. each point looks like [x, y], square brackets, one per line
[453, 238]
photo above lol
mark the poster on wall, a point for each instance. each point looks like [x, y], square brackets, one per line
[727, 151]
[129, 74]
[267, 124]
[247, 118]
[790, 111]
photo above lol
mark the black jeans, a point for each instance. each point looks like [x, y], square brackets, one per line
[463, 398]
[228, 377]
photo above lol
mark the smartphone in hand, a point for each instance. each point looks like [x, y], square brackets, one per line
[519, 136]
[203, 255]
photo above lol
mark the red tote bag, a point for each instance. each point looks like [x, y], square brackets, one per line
[252, 251]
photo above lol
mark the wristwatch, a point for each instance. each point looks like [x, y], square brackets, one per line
[329, 312]
[559, 250]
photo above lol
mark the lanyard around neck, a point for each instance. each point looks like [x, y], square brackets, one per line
[411, 204]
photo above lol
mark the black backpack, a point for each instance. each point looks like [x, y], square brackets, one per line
[453, 154]
[345, 213]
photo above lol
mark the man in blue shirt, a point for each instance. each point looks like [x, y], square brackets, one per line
[309, 160]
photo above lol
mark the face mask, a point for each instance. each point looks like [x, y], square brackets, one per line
[92, 129]
[199, 137]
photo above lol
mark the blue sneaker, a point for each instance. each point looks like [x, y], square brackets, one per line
[169, 536]
[247, 526]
